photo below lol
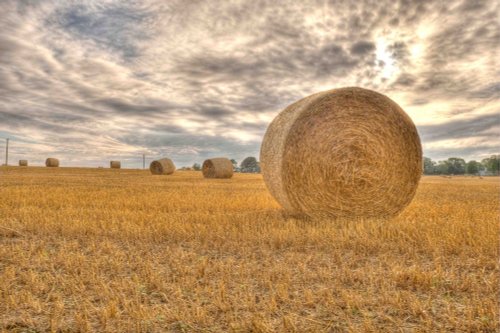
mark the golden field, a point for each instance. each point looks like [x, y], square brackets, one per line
[123, 251]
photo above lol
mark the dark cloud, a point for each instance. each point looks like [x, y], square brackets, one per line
[213, 111]
[121, 106]
[488, 92]
[399, 51]
[405, 80]
[362, 47]
[111, 27]
[481, 126]
[468, 152]
[299, 61]
[420, 101]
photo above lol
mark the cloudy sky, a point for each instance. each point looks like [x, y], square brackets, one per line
[90, 81]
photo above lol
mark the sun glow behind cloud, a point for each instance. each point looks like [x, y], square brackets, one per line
[384, 59]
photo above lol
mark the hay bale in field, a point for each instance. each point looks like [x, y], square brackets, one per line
[164, 166]
[23, 162]
[115, 164]
[347, 152]
[52, 162]
[219, 167]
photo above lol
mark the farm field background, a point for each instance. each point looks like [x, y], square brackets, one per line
[122, 250]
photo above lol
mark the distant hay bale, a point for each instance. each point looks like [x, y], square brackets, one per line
[165, 166]
[23, 162]
[52, 162]
[219, 167]
[115, 164]
[347, 152]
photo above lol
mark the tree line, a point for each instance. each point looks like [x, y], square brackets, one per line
[458, 166]
[452, 166]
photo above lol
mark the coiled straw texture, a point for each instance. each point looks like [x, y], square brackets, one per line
[348, 152]
[219, 167]
[52, 162]
[115, 164]
[164, 166]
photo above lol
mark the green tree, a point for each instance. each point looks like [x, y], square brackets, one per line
[456, 166]
[196, 167]
[473, 167]
[492, 164]
[442, 168]
[235, 164]
[250, 164]
[429, 166]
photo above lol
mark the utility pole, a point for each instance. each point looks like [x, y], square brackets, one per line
[7, 153]
[144, 161]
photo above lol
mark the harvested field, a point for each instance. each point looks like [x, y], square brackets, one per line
[96, 250]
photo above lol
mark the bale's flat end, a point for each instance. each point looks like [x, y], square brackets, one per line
[164, 166]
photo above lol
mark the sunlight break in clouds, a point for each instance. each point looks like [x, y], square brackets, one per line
[91, 81]
[384, 57]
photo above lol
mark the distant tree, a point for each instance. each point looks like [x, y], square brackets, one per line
[235, 164]
[196, 167]
[473, 167]
[429, 166]
[250, 164]
[442, 168]
[492, 164]
[456, 166]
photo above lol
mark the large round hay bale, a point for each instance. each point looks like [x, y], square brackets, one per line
[115, 164]
[165, 166]
[219, 167]
[52, 162]
[23, 163]
[347, 152]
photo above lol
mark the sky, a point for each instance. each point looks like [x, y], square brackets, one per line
[93, 81]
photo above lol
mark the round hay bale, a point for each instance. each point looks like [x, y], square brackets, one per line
[347, 152]
[115, 164]
[52, 162]
[219, 167]
[165, 166]
[23, 163]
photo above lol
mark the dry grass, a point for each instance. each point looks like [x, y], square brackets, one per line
[120, 250]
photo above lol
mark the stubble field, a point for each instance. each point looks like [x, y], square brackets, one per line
[123, 251]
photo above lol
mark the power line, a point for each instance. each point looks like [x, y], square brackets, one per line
[7, 152]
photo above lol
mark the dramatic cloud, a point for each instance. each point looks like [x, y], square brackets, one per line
[91, 81]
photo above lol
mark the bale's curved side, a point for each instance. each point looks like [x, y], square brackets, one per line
[345, 152]
[272, 148]
[52, 162]
[164, 166]
[115, 164]
[23, 162]
[219, 167]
